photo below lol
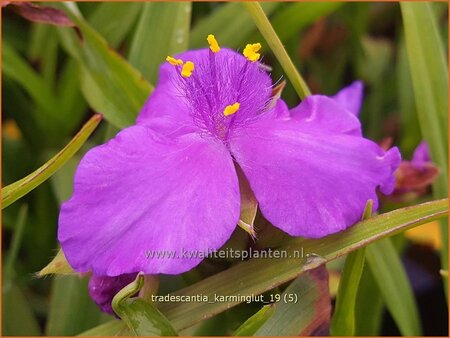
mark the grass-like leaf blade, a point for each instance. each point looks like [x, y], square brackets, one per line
[16, 190]
[393, 283]
[163, 30]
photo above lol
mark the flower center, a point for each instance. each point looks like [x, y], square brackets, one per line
[224, 90]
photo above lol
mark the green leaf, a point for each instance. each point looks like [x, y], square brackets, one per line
[17, 317]
[70, 97]
[141, 317]
[267, 31]
[369, 306]
[343, 321]
[106, 16]
[230, 24]
[16, 241]
[163, 30]
[393, 283]
[110, 84]
[251, 325]
[429, 73]
[16, 190]
[304, 307]
[71, 309]
[111, 328]
[14, 66]
[410, 129]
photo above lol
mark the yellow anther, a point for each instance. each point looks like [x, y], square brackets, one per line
[231, 109]
[187, 69]
[173, 61]
[213, 45]
[251, 51]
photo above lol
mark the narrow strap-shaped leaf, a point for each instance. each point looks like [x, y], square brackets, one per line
[71, 310]
[303, 309]
[369, 306]
[343, 322]
[15, 242]
[251, 325]
[16, 190]
[267, 31]
[111, 328]
[14, 66]
[388, 271]
[106, 15]
[163, 30]
[429, 74]
[109, 83]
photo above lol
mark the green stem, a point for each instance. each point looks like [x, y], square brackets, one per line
[267, 31]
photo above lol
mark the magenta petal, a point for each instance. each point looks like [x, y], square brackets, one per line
[350, 97]
[102, 289]
[279, 111]
[143, 192]
[421, 155]
[311, 183]
[323, 114]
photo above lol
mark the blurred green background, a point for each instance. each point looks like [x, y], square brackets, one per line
[48, 93]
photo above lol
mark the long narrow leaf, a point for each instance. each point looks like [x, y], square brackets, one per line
[304, 307]
[71, 309]
[163, 30]
[110, 84]
[369, 306]
[343, 322]
[394, 286]
[251, 325]
[16, 190]
[429, 74]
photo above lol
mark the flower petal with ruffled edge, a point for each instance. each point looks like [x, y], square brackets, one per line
[323, 114]
[311, 182]
[350, 97]
[421, 155]
[144, 193]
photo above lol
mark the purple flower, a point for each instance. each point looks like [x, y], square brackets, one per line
[168, 185]
[102, 289]
[421, 155]
[413, 178]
